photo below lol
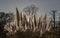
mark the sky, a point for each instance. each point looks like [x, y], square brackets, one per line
[43, 5]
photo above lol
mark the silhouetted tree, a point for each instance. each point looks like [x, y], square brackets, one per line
[29, 10]
[53, 14]
[59, 19]
[4, 19]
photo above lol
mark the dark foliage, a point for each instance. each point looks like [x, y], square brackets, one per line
[4, 19]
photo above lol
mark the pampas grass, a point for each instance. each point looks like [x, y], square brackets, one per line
[29, 26]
